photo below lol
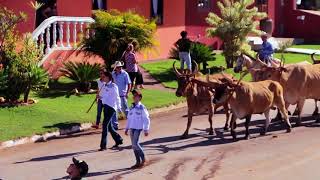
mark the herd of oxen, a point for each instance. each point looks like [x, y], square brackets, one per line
[273, 86]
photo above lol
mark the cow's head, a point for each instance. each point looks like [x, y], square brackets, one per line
[239, 64]
[184, 78]
[223, 88]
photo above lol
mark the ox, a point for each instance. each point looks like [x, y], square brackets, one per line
[299, 83]
[199, 97]
[247, 98]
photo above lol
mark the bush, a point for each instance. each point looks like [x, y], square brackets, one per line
[113, 31]
[81, 72]
[199, 52]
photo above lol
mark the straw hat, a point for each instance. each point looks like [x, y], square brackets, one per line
[118, 64]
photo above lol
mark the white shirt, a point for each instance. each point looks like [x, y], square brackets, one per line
[110, 96]
[101, 86]
[138, 118]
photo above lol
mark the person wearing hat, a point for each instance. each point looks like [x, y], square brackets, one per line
[78, 169]
[267, 50]
[138, 121]
[111, 103]
[122, 80]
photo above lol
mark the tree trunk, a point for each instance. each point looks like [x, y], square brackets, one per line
[229, 61]
[26, 95]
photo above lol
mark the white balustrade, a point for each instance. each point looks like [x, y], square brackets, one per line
[75, 34]
[54, 26]
[54, 36]
[61, 34]
[48, 39]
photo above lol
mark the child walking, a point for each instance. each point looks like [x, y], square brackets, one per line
[137, 121]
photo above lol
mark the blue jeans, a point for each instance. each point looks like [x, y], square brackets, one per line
[137, 149]
[99, 111]
[109, 113]
[124, 108]
[185, 58]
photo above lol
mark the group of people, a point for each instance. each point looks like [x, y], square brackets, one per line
[112, 97]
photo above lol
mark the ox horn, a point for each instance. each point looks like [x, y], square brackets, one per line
[195, 69]
[175, 69]
[315, 61]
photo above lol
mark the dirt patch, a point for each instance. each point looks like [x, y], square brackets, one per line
[199, 166]
[148, 163]
[174, 171]
[215, 167]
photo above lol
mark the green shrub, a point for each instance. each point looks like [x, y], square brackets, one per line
[199, 52]
[81, 72]
[113, 30]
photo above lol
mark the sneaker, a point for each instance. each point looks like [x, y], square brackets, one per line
[102, 149]
[117, 144]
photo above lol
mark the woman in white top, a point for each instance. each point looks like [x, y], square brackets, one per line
[101, 85]
[111, 103]
[137, 120]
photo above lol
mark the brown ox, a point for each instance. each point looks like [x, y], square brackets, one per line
[247, 98]
[299, 83]
[199, 97]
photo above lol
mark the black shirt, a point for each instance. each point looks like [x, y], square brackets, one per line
[184, 45]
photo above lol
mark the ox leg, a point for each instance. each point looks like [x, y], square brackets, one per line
[210, 121]
[286, 119]
[227, 111]
[233, 123]
[316, 109]
[300, 107]
[296, 111]
[266, 123]
[186, 132]
[278, 117]
[247, 123]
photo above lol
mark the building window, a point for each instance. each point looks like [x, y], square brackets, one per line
[99, 4]
[262, 5]
[204, 5]
[157, 11]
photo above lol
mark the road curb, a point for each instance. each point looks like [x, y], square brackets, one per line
[73, 129]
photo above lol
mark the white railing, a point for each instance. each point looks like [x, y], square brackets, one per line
[55, 26]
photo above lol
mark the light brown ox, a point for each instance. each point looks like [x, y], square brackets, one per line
[299, 83]
[199, 97]
[247, 98]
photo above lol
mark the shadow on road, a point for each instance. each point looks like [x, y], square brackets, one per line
[59, 156]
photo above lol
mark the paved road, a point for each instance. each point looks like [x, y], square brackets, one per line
[276, 156]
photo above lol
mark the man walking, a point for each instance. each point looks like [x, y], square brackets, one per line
[122, 80]
[184, 45]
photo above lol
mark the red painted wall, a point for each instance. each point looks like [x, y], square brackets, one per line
[22, 6]
[140, 6]
[74, 8]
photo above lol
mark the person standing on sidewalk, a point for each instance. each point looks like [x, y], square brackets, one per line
[184, 46]
[122, 80]
[138, 121]
[111, 103]
[101, 85]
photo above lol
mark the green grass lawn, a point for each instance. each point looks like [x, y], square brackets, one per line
[162, 70]
[307, 46]
[55, 111]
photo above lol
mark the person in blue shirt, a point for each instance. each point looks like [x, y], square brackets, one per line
[266, 52]
[122, 80]
[138, 121]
